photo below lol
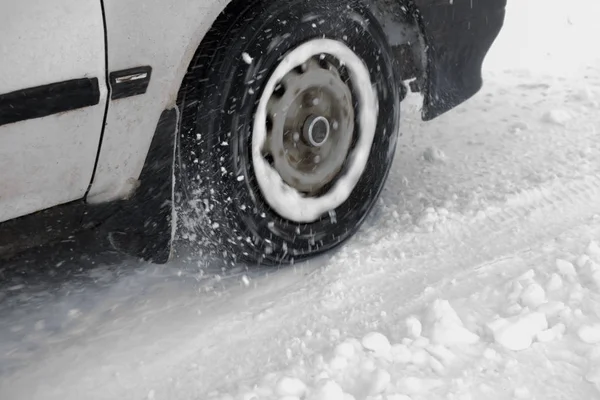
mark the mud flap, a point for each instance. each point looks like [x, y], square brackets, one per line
[144, 226]
[457, 49]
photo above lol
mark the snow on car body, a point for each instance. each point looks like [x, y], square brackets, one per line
[93, 94]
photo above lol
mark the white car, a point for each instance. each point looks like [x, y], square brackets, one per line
[274, 120]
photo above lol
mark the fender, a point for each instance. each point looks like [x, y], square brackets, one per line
[442, 45]
[459, 34]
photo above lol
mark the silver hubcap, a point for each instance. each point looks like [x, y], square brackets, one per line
[306, 154]
[311, 124]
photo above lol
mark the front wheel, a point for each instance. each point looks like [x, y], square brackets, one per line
[290, 114]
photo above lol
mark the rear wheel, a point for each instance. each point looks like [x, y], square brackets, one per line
[290, 114]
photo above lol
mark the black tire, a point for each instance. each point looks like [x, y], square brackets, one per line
[217, 116]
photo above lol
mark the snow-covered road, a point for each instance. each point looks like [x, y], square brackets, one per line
[477, 275]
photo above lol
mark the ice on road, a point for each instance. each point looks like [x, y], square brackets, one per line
[477, 276]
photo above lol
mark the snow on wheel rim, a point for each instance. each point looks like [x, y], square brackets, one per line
[287, 201]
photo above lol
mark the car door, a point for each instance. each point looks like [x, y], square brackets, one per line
[53, 98]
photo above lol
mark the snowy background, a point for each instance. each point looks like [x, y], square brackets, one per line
[478, 274]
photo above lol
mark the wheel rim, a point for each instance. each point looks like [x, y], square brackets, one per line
[310, 122]
[304, 128]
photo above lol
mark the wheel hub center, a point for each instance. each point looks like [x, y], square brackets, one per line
[316, 130]
[310, 125]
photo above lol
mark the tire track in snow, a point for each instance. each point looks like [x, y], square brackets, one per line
[464, 246]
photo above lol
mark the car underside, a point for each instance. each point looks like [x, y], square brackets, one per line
[438, 48]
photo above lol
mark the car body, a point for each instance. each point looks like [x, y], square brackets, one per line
[89, 104]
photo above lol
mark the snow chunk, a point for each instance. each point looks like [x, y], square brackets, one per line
[522, 393]
[401, 354]
[518, 332]
[377, 343]
[287, 386]
[421, 341]
[378, 382]
[596, 278]
[411, 385]
[417, 386]
[519, 126]
[434, 155]
[246, 57]
[420, 358]
[529, 275]
[593, 375]
[591, 267]
[441, 353]
[533, 296]
[516, 289]
[327, 390]
[554, 283]
[565, 268]
[582, 260]
[584, 95]
[450, 335]
[551, 334]
[398, 397]
[414, 327]
[245, 280]
[593, 250]
[490, 354]
[338, 363]
[557, 117]
[345, 349]
[589, 334]
[546, 336]
[447, 327]
[576, 293]
[436, 366]
[428, 219]
[552, 308]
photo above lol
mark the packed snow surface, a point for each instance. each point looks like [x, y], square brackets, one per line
[476, 277]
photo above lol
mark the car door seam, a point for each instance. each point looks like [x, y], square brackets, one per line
[108, 93]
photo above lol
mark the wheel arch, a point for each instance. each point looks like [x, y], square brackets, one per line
[400, 19]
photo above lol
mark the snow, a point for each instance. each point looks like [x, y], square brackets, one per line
[285, 200]
[433, 155]
[559, 117]
[439, 344]
[377, 343]
[247, 58]
[518, 332]
[476, 277]
[590, 334]
[287, 386]
[414, 327]
[533, 296]
[345, 350]
[566, 268]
